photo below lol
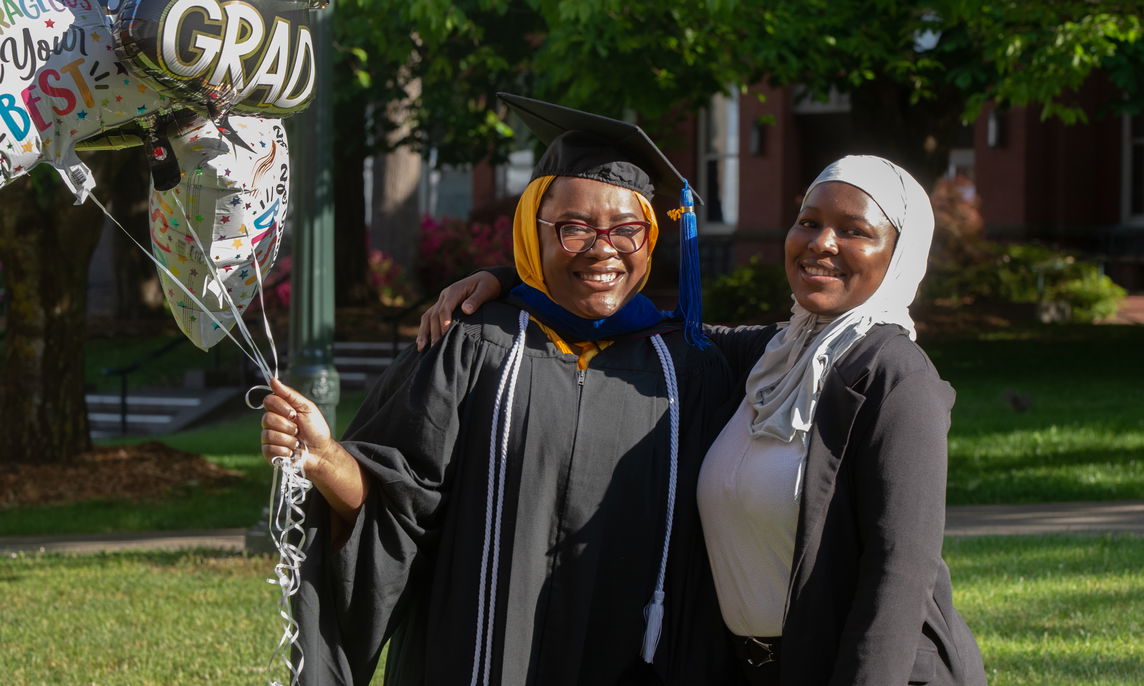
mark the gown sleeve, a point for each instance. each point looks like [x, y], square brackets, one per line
[900, 512]
[352, 599]
[742, 346]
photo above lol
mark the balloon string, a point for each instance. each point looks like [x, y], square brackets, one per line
[289, 484]
[288, 488]
[226, 298]
[262, 308]
[194, 299]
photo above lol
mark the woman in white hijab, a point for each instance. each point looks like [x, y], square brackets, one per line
[823, 499]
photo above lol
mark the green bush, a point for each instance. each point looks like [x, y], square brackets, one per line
[1034, 273]
[965, 266]
[752, 294]
[1093, 295]
[1028, 273]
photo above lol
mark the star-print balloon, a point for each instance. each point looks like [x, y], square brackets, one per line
[218, 230]
[61, 83]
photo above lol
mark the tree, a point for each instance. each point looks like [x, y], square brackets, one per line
[46, 243]
[915, 70]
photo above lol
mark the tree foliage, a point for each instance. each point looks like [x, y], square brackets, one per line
[946, 57]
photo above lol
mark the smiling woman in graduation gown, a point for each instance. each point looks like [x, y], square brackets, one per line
[546, 570]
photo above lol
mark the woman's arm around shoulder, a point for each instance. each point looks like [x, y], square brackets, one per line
[741, 345]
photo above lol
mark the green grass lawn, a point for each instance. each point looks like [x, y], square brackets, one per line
[1051, 610]
[1082, 437]
[1046, 610]
[137, 618]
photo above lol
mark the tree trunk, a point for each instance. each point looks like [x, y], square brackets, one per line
[395, 214]
[138, 294]
[350, 254]
[46, 243]
[916, 136]
[396, 176]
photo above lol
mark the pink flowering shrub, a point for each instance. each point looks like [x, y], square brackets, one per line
[387, 280]
[451, 248]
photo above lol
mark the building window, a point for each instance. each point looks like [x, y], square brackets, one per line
[719, 164]
[833, 102]
[1133, 201]
[514, 174]
[445, 191]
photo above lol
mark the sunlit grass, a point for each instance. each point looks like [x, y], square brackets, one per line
[1046, 610]
[1052, 415]
[137, 619]
[1049, 610]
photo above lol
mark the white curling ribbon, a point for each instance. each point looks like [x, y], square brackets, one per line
[288, 492]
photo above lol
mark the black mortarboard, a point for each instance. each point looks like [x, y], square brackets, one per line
[592, 146]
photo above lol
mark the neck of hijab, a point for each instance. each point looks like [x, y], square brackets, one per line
[638, 313]
[784, 385]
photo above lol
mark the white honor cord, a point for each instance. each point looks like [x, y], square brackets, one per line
[289, 484]
[498, 472]
[653, 612]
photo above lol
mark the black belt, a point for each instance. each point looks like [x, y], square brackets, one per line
[758, 651]
[759, 659]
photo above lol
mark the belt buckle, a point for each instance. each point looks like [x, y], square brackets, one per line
[769, 648]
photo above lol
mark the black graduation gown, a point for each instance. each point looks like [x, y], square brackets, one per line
[583, 525]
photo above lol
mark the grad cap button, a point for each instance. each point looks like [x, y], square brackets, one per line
[592, 146]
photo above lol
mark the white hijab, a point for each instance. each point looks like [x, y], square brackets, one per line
[784, 385]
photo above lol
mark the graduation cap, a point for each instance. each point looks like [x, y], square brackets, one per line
[592, 146]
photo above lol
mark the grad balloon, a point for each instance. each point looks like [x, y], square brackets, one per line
[252, 56]
[217, 232]
[61, 83]
[220, 193]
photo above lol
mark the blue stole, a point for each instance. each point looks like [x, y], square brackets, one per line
[639, 313]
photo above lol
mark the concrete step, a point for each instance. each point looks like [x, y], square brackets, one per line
[359, 363]
[153, 411]
[165, 411]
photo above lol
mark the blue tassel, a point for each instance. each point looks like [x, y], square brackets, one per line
[690, 306]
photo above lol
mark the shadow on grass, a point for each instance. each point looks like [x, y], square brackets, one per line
[236, 505]
[990, 558]
[187, 559]
[1057, 476]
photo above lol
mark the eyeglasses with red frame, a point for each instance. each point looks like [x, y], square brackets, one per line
[577, 237]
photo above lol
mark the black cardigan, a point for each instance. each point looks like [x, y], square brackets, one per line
[870, 597]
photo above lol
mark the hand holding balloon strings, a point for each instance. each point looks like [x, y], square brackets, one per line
[202, 166]
[289, 485]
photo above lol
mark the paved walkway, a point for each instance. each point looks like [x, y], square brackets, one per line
[223, 539]
[971, 520]
[1131, 311]
[1005, 520]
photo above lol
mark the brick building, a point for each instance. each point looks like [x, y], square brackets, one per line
[1079, 186]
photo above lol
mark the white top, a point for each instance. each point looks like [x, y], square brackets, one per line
[749, 492]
